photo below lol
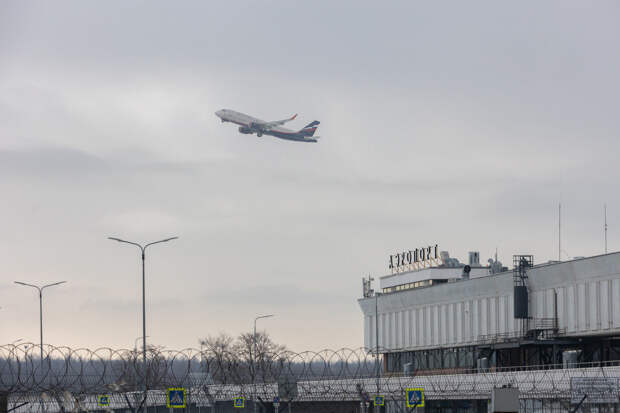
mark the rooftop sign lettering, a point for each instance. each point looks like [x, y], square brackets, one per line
[414, 259]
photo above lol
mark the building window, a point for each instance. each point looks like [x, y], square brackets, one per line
[421, 361]
[465, 357]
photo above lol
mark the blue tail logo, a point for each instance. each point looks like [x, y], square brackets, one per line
[310, 128]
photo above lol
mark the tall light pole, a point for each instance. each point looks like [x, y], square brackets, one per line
[143, 249]
[377, 364]
[40, 289]
[254, 355]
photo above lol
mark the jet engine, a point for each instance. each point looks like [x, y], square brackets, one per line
[245, 130]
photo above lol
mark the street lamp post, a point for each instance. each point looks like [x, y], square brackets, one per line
[40, 289]
[377, 364]
[254, 355]
[143, 249]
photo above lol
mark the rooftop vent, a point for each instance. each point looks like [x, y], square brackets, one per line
[474, 258]
[447, 261]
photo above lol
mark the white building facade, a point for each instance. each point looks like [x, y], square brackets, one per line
[567, 301]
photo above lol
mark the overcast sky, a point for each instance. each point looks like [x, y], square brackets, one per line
[457, 123]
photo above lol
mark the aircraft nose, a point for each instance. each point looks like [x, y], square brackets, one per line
[219, 113]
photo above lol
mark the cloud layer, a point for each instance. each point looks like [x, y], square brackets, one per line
[463, 125]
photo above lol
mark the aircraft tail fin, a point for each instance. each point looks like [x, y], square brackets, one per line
[310, 128]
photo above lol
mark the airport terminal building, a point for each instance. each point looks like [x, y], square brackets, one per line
[434, 315]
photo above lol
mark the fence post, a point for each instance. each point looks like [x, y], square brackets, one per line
[4, 402]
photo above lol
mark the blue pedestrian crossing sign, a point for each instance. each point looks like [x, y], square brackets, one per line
[379, 400]
[415, 397]
[239, 403]
[103, 400]
[175, 398]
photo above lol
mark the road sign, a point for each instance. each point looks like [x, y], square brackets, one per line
[239, 402]
[175, 398]
[598, 389]
[379, 400]
[415, 397]
[103, 400]
[276, 399]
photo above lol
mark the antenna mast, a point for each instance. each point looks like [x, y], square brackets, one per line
[605, 228]
[560, 231]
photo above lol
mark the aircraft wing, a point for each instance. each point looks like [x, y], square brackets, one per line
[269, 125]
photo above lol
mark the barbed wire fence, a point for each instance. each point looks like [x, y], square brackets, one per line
[85, 370]
[74, 377]
[71, 379]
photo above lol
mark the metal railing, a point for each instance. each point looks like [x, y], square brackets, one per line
[545, 323]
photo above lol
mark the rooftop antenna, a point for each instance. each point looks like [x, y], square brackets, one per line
[560, 231]
[367, 286]
[605, 209]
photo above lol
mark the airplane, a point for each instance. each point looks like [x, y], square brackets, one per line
[250, 125]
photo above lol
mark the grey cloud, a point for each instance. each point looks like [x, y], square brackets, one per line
[461, 124]
[285, 295]
[41, 161]
[108, 305]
